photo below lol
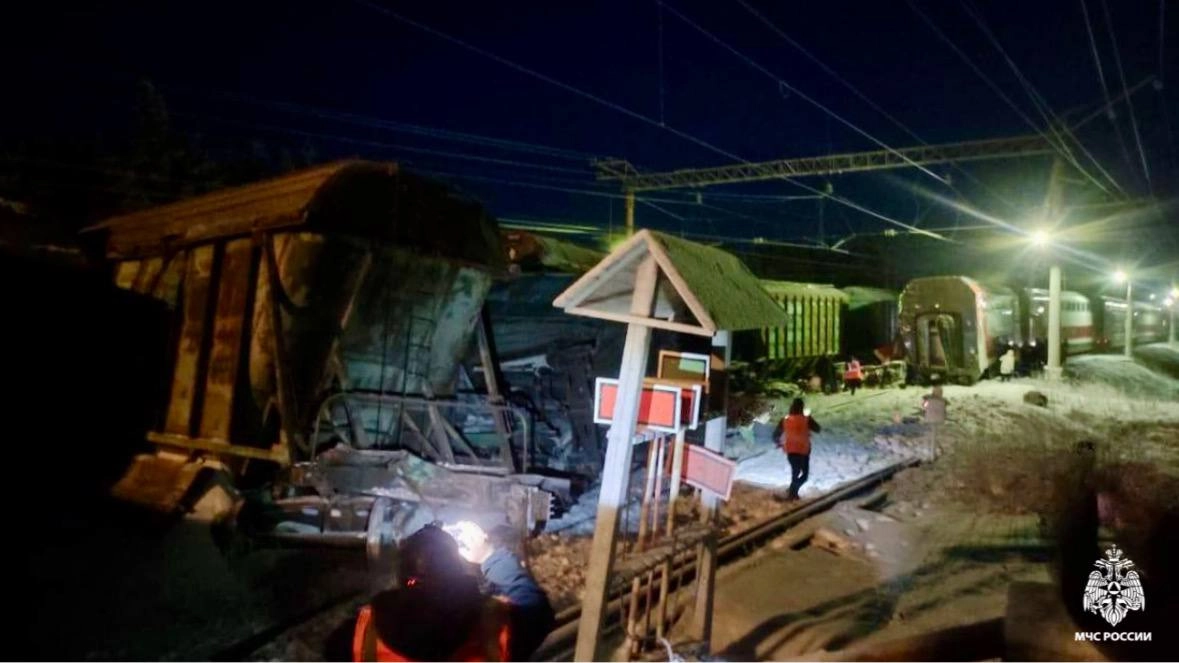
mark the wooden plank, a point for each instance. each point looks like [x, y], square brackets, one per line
[616, 470]
[185, 376]
[630, 318]
[277, 453]
[288, 406]
[149, 272]
[233, 293]
[714, 440]
[167, 286]
[618, 259]
[125, 273]
[491, 379]
[438, 433]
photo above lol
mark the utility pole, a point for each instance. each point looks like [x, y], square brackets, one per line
[1129, 320]
[630, 212]
[1052, 212]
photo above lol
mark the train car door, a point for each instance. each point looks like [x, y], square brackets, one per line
[939, 340]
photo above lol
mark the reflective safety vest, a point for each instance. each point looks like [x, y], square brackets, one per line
[797, 428]
[853, 372]
[488, 642]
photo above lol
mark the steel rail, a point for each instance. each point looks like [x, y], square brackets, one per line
[559, 644]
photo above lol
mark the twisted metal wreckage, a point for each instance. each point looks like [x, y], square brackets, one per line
[321, 322]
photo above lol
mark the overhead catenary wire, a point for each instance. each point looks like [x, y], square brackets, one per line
[1051, 119]
[395, 126]
[863, 97]
[1060, 148]
[613, 105]
[814, 102]
[1129, 101]
[1109, 105]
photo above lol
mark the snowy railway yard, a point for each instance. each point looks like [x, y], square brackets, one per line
[934, 549]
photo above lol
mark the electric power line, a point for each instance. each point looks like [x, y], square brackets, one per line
[1129, 102]
[611, 105]
[863, 97]
[754, 64]
[1110, 112]
[1061, 149]
[1051, 120]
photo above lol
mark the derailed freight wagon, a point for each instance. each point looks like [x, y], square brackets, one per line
[321, 318]
[954, 327]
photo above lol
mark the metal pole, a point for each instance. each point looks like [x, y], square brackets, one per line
[1129, 322]
[630, 212]
[1171, 325]
[1053, 369]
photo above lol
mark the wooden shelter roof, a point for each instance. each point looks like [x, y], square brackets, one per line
[701, 289]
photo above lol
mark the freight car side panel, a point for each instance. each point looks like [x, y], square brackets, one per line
[815, 322]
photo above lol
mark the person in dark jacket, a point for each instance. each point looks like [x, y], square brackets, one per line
[796, 429]
[445, 611]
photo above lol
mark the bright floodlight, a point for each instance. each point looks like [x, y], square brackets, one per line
[1040, 238]
[1174, 293]
[1119, 276]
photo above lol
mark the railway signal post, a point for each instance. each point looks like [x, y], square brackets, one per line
[656, 281]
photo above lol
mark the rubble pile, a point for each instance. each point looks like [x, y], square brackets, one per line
[559, 564]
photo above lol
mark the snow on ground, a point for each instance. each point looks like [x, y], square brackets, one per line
[994, 447]
[1127, 375]
[950, 536]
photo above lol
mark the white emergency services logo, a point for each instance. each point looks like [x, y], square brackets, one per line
[1115, 589]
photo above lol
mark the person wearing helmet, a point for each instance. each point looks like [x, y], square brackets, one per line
[442, 612]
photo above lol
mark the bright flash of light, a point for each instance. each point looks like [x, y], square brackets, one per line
[1040, 238]
[1119, 276]
[470, 538]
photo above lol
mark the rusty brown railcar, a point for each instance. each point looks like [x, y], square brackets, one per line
[353, 277]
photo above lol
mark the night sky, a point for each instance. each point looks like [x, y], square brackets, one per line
[350, 78]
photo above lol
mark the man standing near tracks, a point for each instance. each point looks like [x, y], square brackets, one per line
[795, 431]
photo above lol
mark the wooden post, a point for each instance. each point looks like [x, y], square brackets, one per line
[616, 470]
[491, 379]
[677, 468]
[714, 440]
[630, 213]
[677, 464]
[632, 619]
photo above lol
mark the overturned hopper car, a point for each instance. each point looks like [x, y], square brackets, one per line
[954, 326]
[328, 309]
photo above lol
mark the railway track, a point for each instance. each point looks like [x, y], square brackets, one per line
[559, 644]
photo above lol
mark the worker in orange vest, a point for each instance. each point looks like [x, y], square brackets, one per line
[796, 429]
[440, 612]
[854, 375]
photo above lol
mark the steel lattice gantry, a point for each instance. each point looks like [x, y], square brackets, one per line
[633, 181]
[924, 155]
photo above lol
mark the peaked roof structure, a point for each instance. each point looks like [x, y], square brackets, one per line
[701, 290]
